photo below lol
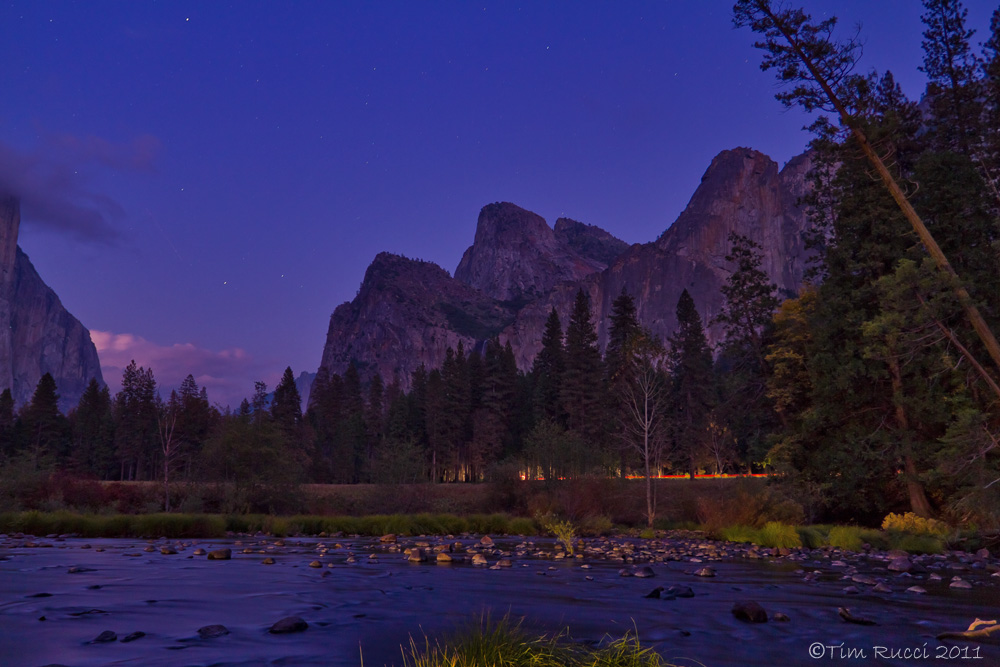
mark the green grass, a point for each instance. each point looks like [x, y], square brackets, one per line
[847, 538]
[118, 525]
[213, 525]
[505, 643]
[916, 544]
[772, 534]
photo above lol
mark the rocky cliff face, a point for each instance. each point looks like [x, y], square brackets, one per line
[743, 192]
[517, 256]
[589, 240]
[408, 313]
[37, 335]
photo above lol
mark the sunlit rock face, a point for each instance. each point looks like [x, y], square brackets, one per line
[408, 313]
[517, 256]
[742, 191]
[37, 335]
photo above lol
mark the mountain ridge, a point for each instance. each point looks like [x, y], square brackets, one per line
[518, 269]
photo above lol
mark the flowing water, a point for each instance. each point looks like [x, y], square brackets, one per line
[56, 599]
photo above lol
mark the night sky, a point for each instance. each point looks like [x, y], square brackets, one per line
[203, 183]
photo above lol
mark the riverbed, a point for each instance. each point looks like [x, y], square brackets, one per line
[363, 600]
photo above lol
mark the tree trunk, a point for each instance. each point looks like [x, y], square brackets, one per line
[918, 499]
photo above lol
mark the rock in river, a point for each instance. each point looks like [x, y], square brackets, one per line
[289, 625]
[749, 611]
[212, 631]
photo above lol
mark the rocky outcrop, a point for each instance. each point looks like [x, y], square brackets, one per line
[37, 335]
[516, 256]
[407, 313]
[589, 240]
[743, 192]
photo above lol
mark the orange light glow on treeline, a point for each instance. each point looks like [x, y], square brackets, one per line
[525, 478]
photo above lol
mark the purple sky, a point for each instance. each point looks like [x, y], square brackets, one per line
[203, 183]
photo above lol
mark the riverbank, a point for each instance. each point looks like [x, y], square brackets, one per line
[368, 596]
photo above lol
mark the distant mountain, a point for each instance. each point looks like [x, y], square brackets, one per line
[516, 255]
[742, 191]
[589, 240]
[37, 335]
[409, 312]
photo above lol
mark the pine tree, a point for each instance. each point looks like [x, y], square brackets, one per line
[135, 423]
[374, 424]
[6, 422]
[744, 417]
[690, 364]
[286, 406]
[622, 334]
[582, 388]
[624, 327]
[195, 420]
[351, 437]
[547, 372]
[45, 427]
[990, 121]
[93, 432]
[953, 89]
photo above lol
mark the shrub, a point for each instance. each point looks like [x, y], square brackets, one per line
[748, 504]
[593, 526]
[779, 535]
[812, 536]
[915, 525]
[916, 544]
[564, 531]
[738, 534]
[523, 526]
[847, 538]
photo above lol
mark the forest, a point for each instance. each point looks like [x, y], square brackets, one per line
[874, 389]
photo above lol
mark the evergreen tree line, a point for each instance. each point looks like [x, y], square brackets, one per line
[477, 416]
[885, 392]
[867, 393]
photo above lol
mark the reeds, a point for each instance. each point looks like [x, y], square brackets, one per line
[506, 643]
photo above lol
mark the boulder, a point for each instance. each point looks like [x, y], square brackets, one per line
[846, 614]
[212, 631]
[289, 625]
[900, 564]
[750, 612]
[220, 554]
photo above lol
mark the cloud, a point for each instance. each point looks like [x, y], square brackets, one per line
[53, 187]
[137, 154]
[228, 375]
